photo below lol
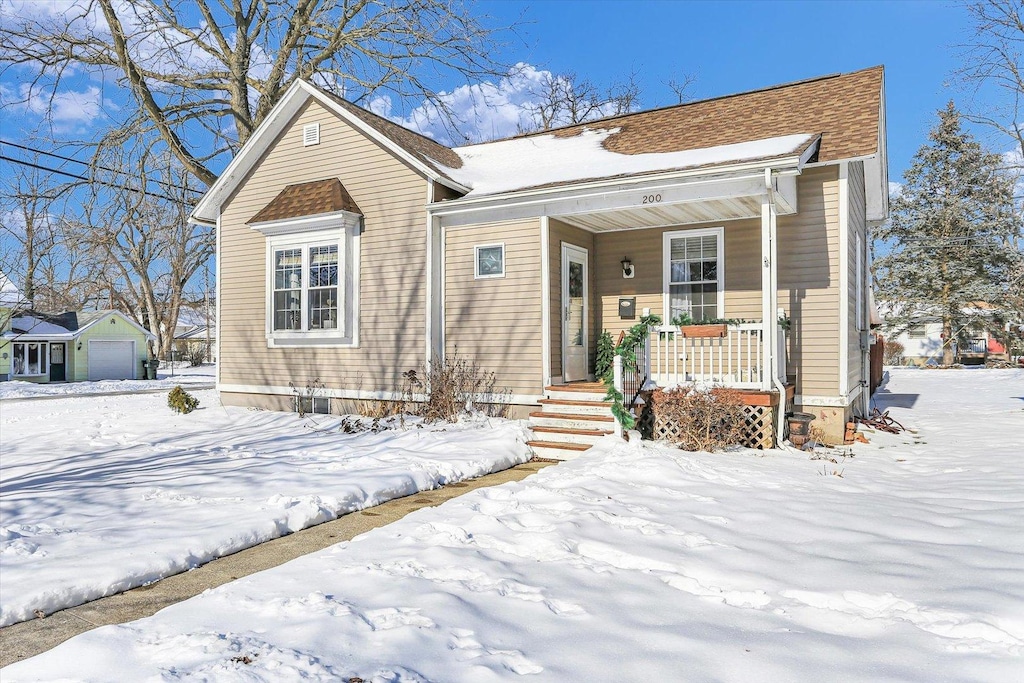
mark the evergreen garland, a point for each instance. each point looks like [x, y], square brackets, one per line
[633, 338]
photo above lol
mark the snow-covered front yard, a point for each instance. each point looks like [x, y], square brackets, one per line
[99, 494]
[184, 375]
[638, 562]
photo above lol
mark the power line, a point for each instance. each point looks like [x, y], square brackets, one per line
[86, 163]
[88, 180]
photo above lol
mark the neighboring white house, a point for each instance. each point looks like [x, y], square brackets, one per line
[923, 341]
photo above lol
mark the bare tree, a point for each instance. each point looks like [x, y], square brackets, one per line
[566, 99]
[147, 249]
[41, 252]
[201, 76]
[681, 86]
[995, 60]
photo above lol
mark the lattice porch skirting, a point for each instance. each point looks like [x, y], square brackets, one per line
[758, 425]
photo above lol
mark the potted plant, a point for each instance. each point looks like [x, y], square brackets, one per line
[709, 328]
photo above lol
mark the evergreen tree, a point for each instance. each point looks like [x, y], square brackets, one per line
[954, 234]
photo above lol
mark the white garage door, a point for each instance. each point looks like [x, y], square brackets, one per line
[111, 360]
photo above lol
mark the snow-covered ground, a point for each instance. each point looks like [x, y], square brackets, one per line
[99, 494]
[643, 563]
[184, 375]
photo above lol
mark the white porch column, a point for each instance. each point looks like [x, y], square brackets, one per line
[435, 290]
[769, 286]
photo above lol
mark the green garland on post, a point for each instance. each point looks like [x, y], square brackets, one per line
[627, 350]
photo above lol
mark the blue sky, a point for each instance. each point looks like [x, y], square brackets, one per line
[737, 46]
[729, 46]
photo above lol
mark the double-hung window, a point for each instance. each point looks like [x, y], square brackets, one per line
[306, 288]
[693, 274]
[29, 359]
[312, 281]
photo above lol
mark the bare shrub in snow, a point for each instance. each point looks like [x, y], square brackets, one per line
[456, 385]
[704, 420]
[892, 354]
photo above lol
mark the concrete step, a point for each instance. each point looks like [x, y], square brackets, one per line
[589, 391]
[556, 450]
[575, 436]
[558, 405]
[571, 421]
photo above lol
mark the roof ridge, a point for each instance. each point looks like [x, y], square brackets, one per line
[680, 105]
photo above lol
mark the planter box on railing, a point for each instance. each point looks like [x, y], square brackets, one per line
[716, 330]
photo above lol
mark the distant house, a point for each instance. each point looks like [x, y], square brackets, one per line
[196, 339]
[72, 347]
[351, 250]
[923, 342]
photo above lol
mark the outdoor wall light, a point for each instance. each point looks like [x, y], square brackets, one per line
[627, 267]
[4, 355]
[113, 321]
[79, 347]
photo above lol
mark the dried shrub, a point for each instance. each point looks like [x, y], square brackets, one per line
[892, 354]
[453, 386]
[704, 420]
[196, 354]
[181, 402]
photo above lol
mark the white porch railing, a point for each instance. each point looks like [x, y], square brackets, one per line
[735, 360]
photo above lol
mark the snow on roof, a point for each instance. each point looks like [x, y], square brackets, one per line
[29, 324]
[539, 160]
[10, 295]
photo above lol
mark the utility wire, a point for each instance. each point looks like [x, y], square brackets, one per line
[88, 180]
[86, 163]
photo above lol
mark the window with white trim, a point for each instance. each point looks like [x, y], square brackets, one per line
[312, 281]
[694, 279]
[29, 359]
[489, 260]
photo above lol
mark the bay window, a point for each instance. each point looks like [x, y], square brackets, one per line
[312, 282]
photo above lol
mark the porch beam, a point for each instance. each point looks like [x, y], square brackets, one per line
[624, 196]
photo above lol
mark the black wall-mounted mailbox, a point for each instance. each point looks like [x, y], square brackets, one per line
[627, 308]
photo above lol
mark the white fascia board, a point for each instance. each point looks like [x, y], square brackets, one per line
[289, 226]
[381, 139]
[622, 195]
[876, 171]
[30, 337]
[207, 210]
[650, 181]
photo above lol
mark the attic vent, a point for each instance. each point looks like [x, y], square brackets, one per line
[311, 134]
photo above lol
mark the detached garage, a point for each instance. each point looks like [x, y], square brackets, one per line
[76, 346]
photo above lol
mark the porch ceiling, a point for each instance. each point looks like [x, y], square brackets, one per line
[666, 214]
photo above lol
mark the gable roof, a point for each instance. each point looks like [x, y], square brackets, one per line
[845, 110]
[10, 295]
[67, 325]
[307, 199]
[842, 111]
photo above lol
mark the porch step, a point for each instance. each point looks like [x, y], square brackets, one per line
[571, 421]
[571, 436]
[558, 405]
[557, 450]
[580, 391]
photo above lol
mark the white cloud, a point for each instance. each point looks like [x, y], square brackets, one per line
[484, 111]
[66, 108]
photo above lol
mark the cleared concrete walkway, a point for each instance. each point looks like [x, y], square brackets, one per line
[29, 638]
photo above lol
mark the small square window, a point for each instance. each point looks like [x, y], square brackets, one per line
[313, 405]
[490, 260]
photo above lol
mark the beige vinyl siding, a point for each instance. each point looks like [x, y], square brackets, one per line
[742, 253]
[856, 225]
[391, 262]
[496, 322]
[809, 282]
[558, 233]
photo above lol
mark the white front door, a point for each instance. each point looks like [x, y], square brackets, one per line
[575, 347]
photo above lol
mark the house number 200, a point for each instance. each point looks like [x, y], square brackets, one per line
[651, 198]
